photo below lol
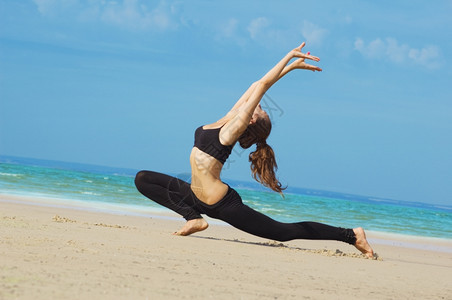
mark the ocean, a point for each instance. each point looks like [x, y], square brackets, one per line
[111, 187]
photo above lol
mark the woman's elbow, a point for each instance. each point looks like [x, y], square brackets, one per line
[263, 84]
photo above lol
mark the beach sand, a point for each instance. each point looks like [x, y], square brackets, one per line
[50, 252]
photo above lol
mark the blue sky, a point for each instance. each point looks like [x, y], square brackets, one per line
[125, 83]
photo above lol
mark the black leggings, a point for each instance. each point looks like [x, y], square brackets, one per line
[177, 195]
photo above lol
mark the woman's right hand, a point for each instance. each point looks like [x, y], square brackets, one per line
[297, 53]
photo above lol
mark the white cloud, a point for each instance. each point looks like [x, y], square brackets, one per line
[312, 33]
[230, 28]
[425, 56]
[256, 26]
[258, 32]
[52, 7]
[132, 14]
[397, 53]
[129, 14]
[375, 49]
[264, 33]
[392, 50]
[229, 31]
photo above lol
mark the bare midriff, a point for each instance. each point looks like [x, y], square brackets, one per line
[205, 177]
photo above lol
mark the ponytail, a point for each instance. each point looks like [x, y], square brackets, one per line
[264, 166]
[263, 162]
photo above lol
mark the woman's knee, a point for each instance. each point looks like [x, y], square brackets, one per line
[140, 178]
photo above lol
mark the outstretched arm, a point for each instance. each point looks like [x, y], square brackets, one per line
[298, 64]
[248, 102]
[272, 76]
[244, 98]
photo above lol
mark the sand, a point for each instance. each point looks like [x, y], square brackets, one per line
[50, 252]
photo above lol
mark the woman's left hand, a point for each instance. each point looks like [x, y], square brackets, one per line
[300, 64]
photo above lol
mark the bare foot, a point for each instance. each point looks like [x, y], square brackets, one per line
[362, 244]
[193, 226]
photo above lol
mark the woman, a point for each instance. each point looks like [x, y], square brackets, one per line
[248, 124]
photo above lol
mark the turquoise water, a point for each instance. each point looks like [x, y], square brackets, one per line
[104, 185]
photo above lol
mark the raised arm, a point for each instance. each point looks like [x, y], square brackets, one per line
[272, 76]
[251, 98]
[244, 98]
[298, 64]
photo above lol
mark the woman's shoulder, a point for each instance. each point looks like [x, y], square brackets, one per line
[220, 122]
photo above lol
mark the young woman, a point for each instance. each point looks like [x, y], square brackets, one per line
[248, 124]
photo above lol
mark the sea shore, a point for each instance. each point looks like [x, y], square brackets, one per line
[65, 251]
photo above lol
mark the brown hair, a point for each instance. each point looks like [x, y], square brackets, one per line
[263, 162]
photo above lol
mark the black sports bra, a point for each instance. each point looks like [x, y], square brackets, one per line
[208, 141]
